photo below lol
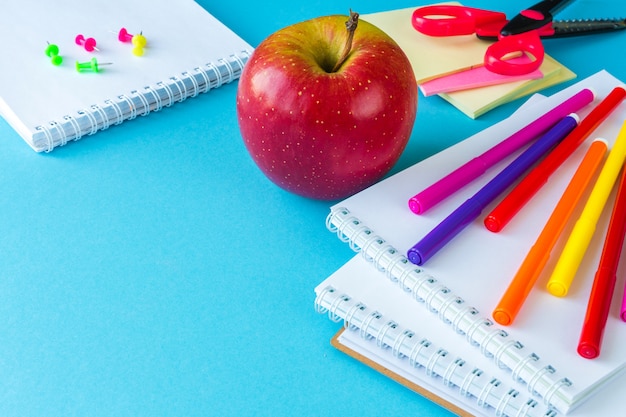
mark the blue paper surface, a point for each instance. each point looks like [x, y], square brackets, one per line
[153, 270]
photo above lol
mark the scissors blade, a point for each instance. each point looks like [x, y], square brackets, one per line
[565, 28]
[534, 17]
[570, 28]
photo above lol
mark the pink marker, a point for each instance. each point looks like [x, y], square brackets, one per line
[622, 313]
[474, 168]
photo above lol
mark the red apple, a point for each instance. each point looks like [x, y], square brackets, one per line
[319, 131]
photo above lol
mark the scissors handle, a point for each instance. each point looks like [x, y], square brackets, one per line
[524, 43]
[452, 20]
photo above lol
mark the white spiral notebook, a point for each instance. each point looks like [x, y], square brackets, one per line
[188, 52]
[529, 368]
[399, 337]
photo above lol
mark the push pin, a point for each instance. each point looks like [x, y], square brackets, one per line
[53, 52]
[124, 36]
[89, 44]
[139, 41]
[90, 66]
[138, 51]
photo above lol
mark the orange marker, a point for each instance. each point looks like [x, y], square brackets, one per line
[538, 256]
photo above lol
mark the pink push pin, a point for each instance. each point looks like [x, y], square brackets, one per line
[89, 44]
[124, 36]
[139, 41]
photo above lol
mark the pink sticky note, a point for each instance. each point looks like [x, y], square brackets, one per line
[474, 78]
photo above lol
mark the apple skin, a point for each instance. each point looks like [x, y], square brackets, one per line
[322, 134]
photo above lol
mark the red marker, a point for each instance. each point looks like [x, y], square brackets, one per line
[528, 187]
[604, 281]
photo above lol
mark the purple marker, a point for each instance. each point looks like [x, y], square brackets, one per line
[471, 209]
[473, 169]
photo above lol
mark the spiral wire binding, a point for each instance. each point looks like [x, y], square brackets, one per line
[525, 367]
[468, 381]
[75, 125]
[415, 353]
[451, 370]
[382, 332]
[504, 401]
[432, 362]
[348, 319]
[503, 348]
[486, 391]
[400, 340]
[93, 124]
[150, 99]
[194, 83]
[157, 98]
[168, 91]
[100, 112]
[421, 353]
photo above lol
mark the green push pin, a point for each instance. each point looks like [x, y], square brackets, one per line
[53, 52]
[90, 66]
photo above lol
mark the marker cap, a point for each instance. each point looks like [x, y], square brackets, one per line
[588, 350]
[502, 316]
[557, 289]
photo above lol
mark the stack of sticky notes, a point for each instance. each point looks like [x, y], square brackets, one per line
[455, 63]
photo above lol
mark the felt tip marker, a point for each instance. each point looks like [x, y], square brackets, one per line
[528, 187]
[622, 313]
[476, 167]
[472, 208]
[603, 287]
[585, 227]
[536, 259]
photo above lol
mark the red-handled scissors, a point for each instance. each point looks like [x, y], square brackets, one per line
[520, 35]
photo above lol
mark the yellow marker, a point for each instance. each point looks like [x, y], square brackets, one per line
[585, 226]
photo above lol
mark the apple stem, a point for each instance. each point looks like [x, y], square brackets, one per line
[351, 25]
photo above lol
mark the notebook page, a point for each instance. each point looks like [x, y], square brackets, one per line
[181, 36]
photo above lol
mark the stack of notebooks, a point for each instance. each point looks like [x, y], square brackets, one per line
[430, 327]
[433, 58]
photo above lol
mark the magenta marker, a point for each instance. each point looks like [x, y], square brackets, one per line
[473, 169]
[471, 209]
[622, 312]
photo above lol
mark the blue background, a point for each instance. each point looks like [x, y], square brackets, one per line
[152, 270]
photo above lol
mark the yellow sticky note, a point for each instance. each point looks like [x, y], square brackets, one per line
[479, 101]
[430, 56]
[433, 57]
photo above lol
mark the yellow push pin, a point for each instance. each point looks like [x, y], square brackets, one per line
[139, 40]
